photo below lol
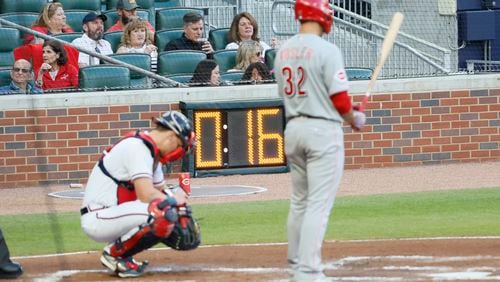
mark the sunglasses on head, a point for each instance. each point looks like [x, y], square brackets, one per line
[20, 69]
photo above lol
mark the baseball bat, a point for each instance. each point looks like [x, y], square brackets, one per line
[387, 44]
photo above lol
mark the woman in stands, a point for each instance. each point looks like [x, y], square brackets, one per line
[245, 28]
[51, 21]
[257, 73]
[206, 74]
[137, 38]
[55, 72]
[248, 53]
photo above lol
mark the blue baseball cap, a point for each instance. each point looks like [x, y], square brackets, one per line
[91, 16]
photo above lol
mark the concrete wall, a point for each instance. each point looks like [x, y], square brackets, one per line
[57, 138]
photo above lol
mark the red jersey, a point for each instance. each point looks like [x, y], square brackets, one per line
[119, 27]
[67, 77]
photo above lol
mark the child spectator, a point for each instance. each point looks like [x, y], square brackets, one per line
[206, 74]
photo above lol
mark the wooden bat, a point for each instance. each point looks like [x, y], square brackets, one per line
[389, 39]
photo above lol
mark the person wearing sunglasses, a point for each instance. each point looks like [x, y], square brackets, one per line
[22, 77]
[249, 52]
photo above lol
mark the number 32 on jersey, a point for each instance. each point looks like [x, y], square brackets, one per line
[294, 81]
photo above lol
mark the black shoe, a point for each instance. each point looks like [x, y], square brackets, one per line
[10, 270]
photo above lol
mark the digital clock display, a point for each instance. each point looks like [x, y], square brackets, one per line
[236, 137]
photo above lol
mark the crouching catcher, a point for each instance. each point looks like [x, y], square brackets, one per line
[125, 204]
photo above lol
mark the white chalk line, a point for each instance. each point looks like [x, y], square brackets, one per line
[440, 273]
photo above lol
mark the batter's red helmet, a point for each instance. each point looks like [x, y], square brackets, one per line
[315, 10]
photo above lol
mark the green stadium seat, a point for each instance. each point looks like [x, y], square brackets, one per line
[358, 73]
[94, 78]
[181, 78]
[143, 61]
[114, 38]
[218, 38]
[74, 18]
[232, 76]
[143, 4]
[24, 19]
[69, 36]
[33, 6]
[269, 58]
[113, 17]
[94, 5]
[5, 76]
[167, 4]
[179, 61]
[163, 37]
[171, 18]
[10, 40]
[226, 59]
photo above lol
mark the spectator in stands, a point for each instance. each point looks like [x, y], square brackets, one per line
[137, 38]
[192, 38]
[245, 28]
[127, 11]
[206, 74]
[22, 77]
[55, 72]
[257, 73]
[248, 53]
[51, 21]
[93, 27]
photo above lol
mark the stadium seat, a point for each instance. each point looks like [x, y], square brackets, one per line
[269, 58]
[143, 4]
[358, 73]
[94, 5]
[163, 37]
[170, 18]
[74, 18]
[113, 17]
[10, 6]
[218, 38]
[232, 76]
[93, 78]
[5, 76]
[181, 78]
[167, 4]
[226, 59]
[10, 40]
[179, 61]
[24, 19]
[114, 38]
[141, 60]
[69, 36]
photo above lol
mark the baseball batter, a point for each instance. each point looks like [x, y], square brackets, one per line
[312, 80]
[124, 204]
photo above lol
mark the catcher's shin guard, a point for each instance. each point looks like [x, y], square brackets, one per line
[159, 226]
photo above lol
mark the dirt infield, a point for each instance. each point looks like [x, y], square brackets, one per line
[470, 259]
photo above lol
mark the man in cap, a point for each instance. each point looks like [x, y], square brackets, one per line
[127, 11]
[93, 27]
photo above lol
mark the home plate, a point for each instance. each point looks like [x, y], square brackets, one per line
[196, 191]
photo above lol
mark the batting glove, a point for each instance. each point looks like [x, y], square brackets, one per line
[359, 119]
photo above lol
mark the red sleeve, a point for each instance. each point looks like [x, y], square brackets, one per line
[28, 37]
[151, 27]
[342, 102]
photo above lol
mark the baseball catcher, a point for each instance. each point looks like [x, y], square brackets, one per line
[125, 204]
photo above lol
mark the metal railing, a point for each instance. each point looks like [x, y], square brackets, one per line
[360, 38]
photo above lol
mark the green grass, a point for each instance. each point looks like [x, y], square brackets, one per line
[434, 214]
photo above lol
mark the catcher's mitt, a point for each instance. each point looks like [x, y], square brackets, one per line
[186, 234]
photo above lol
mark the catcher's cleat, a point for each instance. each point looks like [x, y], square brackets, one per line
[124, 267]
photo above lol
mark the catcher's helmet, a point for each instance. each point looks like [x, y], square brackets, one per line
[315, 10]
[179, 124]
